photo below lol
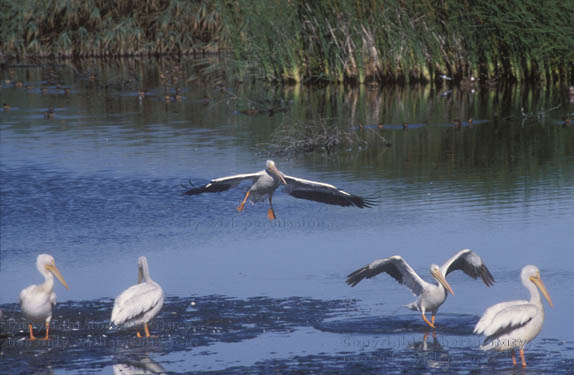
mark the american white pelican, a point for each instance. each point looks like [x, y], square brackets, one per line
[511, 325]
[430, 296]
[37, 301]
[265, 182]
[139, 303]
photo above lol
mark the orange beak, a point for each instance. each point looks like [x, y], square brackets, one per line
[443, 281]
[538, 282]
[278, 174]
[52, 268]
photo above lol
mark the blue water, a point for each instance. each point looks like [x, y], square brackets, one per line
[100, 184]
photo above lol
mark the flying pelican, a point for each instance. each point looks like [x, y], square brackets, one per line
[265, 182]
[139, 303]
[511, 325]
[430, 296]
[37, 300]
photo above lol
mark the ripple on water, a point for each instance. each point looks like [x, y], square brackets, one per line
[80, 330]
[200, 334]
[450, 324]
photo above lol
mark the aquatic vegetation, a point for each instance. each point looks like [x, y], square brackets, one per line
[107, 28]
[392, 41]
[323, 135]
[296, 41]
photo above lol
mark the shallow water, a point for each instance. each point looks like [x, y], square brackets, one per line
[100, 184]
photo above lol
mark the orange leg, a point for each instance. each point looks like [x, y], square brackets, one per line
[146, 329]
[242, 205]
[139, 336]
[522, 358]
[47, 331]
[513, 358]
[271, 212]
[432, 319]
[427, 321]
[32, 337]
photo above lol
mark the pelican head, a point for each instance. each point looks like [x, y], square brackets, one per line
[532, 274]
[45, 264]
[271, 167]
[437, 274]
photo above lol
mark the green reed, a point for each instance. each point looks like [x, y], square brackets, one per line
[107, 27]
[351, 41]
[400, 41]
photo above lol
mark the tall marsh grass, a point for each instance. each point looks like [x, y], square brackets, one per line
[107, 27]
[350, 41]
[395, 40]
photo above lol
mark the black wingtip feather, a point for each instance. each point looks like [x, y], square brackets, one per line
[486, 276]
[207, 188]
[368, 272]
[356, 276]
[338, 200]
[363, 202]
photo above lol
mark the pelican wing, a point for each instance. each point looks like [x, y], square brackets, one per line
[223, 183]
[469, 262]
[324, 193]
[505, 316]
[394, 266]
[136, 301]
[26, 292]
[53, 298]
[38, 295]
[491, 312]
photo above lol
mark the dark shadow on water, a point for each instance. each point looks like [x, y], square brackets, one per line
[83, 342]
[81, 336]
[446, 324]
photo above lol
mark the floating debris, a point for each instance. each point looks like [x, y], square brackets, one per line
[322, 135]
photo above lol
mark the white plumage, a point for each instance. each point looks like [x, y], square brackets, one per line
[511, 325]
[37, 301]
[139, 303]
[265, 182]
[430, 296]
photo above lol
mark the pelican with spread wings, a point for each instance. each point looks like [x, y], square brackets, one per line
[265, 182]
[430, 296]
[511, 325]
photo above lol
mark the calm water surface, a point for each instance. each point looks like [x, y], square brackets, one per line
[100, 184]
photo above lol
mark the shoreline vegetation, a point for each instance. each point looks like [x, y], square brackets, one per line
[312, 42]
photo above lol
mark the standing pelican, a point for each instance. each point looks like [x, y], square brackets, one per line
[37, 301]
[511, 325]
[265, 182]
[430, 296]
[139, 303]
